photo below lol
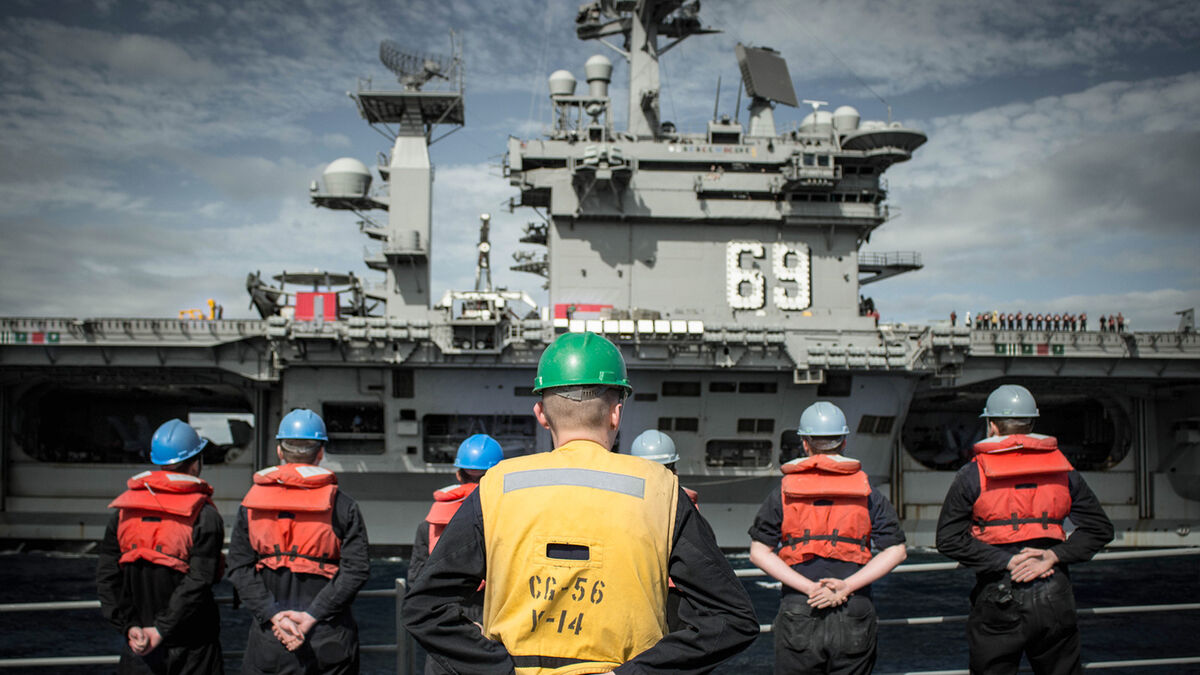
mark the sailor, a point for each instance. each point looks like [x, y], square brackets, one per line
[815, 535]
[160, 557]
[1017, 325]
[298, 556]
[655, 446]
[576, 546]
[1083, 321]
[475, 456]
[1003, 518]
[1120, 322]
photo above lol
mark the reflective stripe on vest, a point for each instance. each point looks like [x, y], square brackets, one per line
[577, 544]
[1023, 489]
[825, 510]
[158, 513]
[290, 519]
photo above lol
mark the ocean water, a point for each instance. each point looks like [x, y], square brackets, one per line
[41, 576]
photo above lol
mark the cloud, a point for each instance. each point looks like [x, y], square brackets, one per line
[995, 141]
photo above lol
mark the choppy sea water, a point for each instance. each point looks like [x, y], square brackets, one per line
[36, 577]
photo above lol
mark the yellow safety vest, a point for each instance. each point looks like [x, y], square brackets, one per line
[577, 546]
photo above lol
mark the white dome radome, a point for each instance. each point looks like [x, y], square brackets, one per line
[562, 83]
[347, 177]
[845, 119]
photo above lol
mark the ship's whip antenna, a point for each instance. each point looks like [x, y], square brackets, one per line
[717, 100]
[837, 58]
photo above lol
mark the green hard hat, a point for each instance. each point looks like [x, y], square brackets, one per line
[576, 359]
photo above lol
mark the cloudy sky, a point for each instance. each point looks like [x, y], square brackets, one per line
[155, 152]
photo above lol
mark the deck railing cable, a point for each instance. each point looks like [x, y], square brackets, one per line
[404, 648]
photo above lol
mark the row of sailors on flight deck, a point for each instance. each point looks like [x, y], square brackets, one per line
[995, 320]
[551, 537]
[605, 525]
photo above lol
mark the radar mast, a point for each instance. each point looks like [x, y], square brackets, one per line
[641, 22]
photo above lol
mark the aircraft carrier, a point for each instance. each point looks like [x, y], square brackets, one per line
[728, 263]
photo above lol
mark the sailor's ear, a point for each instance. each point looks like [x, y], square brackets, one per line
[539, 411]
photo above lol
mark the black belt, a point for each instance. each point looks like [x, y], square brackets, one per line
[1045, 521]
[295, 553]
[793, 541]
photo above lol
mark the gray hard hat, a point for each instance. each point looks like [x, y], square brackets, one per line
[1010, 400]
[823, 419]
[655, 446]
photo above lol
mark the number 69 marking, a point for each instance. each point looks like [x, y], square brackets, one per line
[746, 286]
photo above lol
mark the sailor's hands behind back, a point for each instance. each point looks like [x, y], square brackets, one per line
[291, 627]
[829, 593]
[1032, 563]
[286, 631]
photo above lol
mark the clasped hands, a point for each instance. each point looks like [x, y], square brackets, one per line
[143, 639]
[1032, 563]
[829, 593]
[291, 627]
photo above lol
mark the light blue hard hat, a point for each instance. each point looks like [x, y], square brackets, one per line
[655, 446]
[174, 442]
[1010, 400]
[480, 452]
[823, 419]
[302, 425]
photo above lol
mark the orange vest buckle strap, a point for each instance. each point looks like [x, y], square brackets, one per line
[290, 519]
[824, 501]
[1023, 489]
[158, 512]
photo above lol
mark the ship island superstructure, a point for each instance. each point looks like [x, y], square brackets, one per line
[728, 264]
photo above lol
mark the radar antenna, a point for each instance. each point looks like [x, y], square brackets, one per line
[414, 70]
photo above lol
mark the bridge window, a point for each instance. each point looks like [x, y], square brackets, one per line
[737, 453]
[517, 434]
[876, 424]
[755, 425]
[680, 388]
[354, 428]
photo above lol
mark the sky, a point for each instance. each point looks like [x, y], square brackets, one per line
[153, 153]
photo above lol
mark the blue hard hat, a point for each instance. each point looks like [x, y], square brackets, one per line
[302, 425]
[1010, 400]
[655, 446]
[480, 452]
[823, 419]
[174, 442]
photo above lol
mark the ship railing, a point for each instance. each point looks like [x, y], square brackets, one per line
[405, 651]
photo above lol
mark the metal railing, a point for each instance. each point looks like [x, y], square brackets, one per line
[405, 652]
[403, 647]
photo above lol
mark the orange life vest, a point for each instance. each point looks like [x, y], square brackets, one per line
[1023, 491]
[446, 502]
[158, 512]
[290, 510]
[825, 510]
[692, 495]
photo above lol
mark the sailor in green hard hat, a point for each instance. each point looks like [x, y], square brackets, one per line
[583, 540]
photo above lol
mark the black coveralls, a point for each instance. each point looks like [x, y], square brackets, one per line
[1037, 618]
[472, 607]
[719, 618]
[179, 605]
[839, 639]
[332, 645]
